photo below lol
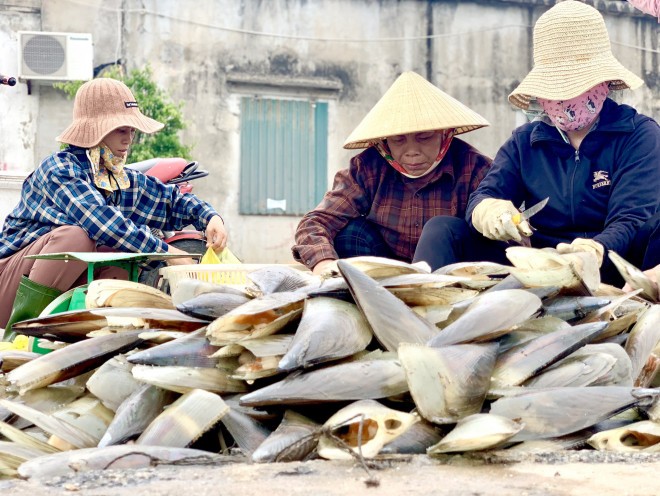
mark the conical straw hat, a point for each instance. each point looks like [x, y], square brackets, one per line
[101, 106]
[413, 105]
[572, 54]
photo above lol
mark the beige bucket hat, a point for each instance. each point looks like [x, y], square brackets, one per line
[101, 106]
[572, 54]
[412, 105]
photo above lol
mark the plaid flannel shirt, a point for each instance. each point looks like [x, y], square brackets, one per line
[398, 205]
[61, 191]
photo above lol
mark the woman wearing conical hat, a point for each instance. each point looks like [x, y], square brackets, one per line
[82, 199]
[413, 168]
[596, 160]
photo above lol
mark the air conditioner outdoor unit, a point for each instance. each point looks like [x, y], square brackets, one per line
[55, 56]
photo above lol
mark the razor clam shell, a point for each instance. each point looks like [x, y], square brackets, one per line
[635, 278]
[415, 441]
[70, 361]
[73, 325]
[189, 350]
[422, 280]
[489, 316]
[608, 314]
[87, 414]
[380, 426]
[450, 382]
[617, 326]
[185, 420]
[643, 338]
[11, 359]
[46, 400]
[51, 424]
[253, 368]
[417, 296]
[23, 438]
[210, 306]
[362, 379]
[260, 317]
[121, 293]
[267, 346]
[641, 436]
[279, 278]
[435, 314]
[248, 433]
[573, 308]
[185, 379]
[576, 273]
[188, 288]
[329, 329]
[113, 382]
[477, 432]
[380, 267]
[531, 329]
[113, 458]
[590, 365]
[135, 413]
[293, 440]
[13, 455]
[474, 270]
[391, 320]
[519, 364]
[561, 411]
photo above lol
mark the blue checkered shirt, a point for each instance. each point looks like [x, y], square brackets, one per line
[61, 192]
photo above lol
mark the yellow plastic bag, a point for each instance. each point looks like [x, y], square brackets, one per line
[19, 343]
[225, 257]
[220, 276]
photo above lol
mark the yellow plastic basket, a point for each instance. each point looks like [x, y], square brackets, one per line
[227, 274]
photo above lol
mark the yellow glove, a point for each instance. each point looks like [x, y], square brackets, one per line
[583, 244]
[495, 219]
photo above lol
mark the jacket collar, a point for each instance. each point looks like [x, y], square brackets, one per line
[613, 118]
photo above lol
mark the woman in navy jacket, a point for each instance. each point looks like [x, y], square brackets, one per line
[596, 160]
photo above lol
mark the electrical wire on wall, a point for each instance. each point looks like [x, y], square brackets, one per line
[330, 40]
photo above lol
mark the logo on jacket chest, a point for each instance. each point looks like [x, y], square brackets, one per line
[601, 178]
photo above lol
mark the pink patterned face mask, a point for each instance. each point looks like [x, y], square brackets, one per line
[579, 112]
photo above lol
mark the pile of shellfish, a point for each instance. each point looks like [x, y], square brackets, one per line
[382, 358]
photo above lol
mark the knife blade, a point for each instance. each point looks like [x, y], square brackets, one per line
[529, 212]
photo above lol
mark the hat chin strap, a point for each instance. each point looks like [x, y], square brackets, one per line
[385, 152]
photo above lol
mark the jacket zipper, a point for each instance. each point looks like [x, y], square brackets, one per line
[577, 164]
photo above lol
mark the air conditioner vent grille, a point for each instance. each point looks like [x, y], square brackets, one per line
[44, 54]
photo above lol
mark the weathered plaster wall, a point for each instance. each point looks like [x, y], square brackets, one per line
[208, 53]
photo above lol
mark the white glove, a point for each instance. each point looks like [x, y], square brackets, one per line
[494, 219]
[583, 244]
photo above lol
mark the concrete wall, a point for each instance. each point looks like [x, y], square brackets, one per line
[208, 53]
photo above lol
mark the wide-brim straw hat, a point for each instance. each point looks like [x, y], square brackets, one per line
[101, 106]
[572, 54]
[413, 105]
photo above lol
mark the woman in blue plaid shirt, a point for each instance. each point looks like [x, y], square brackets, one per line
[83, 199]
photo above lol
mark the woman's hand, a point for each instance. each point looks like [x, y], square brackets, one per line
[178, 261]
[216, 235]
[326, 268]
[653, 274]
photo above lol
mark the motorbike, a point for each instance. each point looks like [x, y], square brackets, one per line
[180, 172]
[7, 80]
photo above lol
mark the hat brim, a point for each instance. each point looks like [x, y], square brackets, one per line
[413, 105]
[87, 133]
[568, 79]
